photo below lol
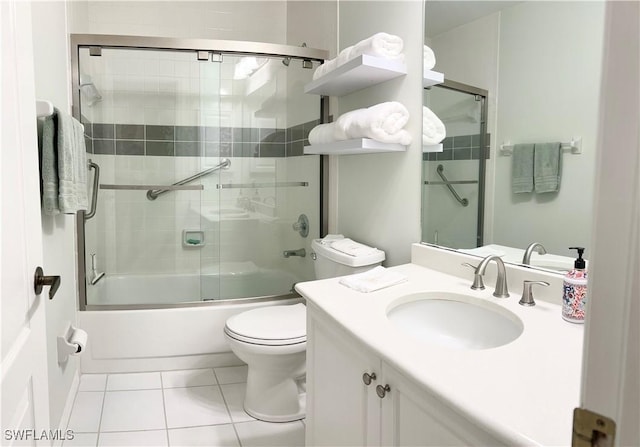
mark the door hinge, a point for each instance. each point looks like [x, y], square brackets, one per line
[592, 429]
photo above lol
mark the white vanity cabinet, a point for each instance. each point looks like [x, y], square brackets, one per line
[343, 410]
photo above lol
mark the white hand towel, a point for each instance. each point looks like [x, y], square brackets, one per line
[383, 45]
[382, 122]
[372, 280]
[428, 58]
[352, 248]
[433, 130]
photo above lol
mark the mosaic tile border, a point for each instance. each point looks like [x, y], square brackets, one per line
[196, 141]
[462, 147]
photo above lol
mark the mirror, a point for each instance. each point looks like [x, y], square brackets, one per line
[540, 64]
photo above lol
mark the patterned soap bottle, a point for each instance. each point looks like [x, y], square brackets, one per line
[574, 290]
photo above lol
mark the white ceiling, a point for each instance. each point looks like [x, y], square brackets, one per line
[444, 15]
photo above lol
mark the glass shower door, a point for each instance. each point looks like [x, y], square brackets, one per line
[453, 180]
[264, 119]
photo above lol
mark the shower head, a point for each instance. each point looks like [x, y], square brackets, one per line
[286, 61]
[89, 90]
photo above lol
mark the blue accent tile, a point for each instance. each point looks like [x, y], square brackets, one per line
[103, 131]
[129, 147]
[129, 132]
[462, 154]
[272, 150]
[187, 148]
[160, 148]
[160, 133]
[104, 146]
[188, 133]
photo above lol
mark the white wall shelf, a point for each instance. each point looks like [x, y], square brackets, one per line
[353, 147]
[356, 74]
[432, 78]
[432, 147]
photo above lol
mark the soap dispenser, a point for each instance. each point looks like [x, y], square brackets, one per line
[574, 287]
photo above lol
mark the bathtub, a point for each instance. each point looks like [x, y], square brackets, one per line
[186, 332]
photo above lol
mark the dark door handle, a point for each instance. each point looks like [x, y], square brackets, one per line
[41, 280]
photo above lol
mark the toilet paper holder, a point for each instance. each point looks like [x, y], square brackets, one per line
[73, 342]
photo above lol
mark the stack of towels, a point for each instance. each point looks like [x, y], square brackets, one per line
[382, 45]
[433, 130]
[382, 122]
[536, 167]
[63, 164]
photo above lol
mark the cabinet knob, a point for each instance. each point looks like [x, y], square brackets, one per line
[368, 378]
[382, 390]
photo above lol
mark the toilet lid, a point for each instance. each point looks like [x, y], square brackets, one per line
[272, 325]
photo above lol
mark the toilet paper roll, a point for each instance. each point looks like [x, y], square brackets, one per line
[78, 338]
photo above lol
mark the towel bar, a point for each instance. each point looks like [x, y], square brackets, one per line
[574, 145]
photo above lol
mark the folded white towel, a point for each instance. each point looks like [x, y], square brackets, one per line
[372, 280]
[428, 58]
[382, 122]
[329, 238]
[383, 45]
[352, 248]
[433, 130]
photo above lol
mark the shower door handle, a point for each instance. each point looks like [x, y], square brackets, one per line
[94, 192]
[40, 280]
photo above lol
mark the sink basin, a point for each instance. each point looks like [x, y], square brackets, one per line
[455, 320]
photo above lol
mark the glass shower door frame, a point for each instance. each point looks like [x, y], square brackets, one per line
[481, 95]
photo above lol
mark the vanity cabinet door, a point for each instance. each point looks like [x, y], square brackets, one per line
[341, 409]
[411, 416]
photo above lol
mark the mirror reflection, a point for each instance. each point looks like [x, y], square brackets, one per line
[539, 64]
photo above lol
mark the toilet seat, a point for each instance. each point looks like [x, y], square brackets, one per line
[270, 326]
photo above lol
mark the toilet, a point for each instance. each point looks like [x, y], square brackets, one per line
[272, 341]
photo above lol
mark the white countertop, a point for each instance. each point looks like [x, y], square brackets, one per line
[523, 392]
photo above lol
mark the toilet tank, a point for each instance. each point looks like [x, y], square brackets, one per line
[329, 263]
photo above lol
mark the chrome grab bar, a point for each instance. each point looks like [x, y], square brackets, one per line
[153, 194]
[94, 192]
[447, 183]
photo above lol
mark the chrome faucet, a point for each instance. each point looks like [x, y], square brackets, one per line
[501, 290]
[526, 259]
[527, 294]
[300, 252]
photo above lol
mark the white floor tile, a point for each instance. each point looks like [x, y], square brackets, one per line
[191, 377]
[93, 382]
[259, 433]
[231, 374]
[134, 381]
[211, 436]
[133, 410]
[85, 415]
[152, 438]
[190, 407]
[234, 397]
[82, 440]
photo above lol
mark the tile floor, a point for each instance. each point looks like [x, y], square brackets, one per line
[199, 407]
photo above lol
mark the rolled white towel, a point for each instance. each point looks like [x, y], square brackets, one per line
[433, 130]
[383, 45]
[322, 134]
[382, 122]
[428, 58]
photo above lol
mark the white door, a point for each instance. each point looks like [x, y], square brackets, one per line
[611, 372]
[25, 401]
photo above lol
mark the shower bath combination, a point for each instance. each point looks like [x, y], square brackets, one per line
[182, 130]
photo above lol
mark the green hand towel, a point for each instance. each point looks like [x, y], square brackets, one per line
[547, 167]
[522, 168]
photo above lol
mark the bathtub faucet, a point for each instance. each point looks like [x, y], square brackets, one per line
[300, 252]
[95, 275]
